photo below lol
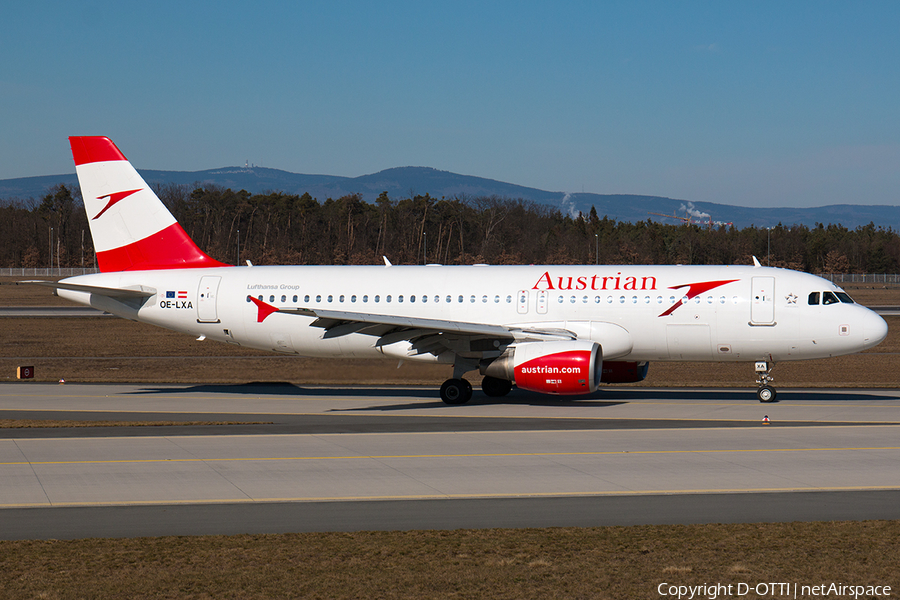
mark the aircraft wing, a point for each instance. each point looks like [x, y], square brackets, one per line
[426, 335]
[129, 292]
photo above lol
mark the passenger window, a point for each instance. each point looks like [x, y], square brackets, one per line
[460, 299]
[318, 298]
[283, 298]
[400, 298]
[330, 298]
[484, 298]
[341, 299]
[412, 298]
[377, 298]
[813, 298]
[829, 298]
[295, 299]
[472, 299]
[353, 298]
[306, 298]
[387, 298]
[366, 298]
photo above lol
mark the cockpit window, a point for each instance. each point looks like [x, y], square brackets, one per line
[813, 298]
[829, 298]
[844, 297]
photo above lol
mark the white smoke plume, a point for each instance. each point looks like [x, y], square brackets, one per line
[693, 212]
[568, 205]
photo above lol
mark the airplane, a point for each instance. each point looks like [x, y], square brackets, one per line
[553, 329]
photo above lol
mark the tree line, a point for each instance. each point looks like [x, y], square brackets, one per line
[278, 228]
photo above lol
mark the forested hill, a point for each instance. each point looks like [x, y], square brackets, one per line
[410, 181]
[277, 228]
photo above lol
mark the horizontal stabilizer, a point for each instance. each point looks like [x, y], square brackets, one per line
[131, 292]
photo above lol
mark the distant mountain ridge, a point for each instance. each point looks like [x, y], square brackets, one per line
[400, 182]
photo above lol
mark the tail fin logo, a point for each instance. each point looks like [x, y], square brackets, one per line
[113, 199]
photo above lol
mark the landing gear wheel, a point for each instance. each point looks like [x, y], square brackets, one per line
[456, 391]
[766, 394]
[495, 387]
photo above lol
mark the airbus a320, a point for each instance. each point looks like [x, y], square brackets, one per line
[555, 329]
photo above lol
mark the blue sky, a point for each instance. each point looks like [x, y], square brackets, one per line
[748, 103]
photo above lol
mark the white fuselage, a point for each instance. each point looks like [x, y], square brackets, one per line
[640, 313]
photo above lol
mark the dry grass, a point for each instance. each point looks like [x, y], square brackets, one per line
[611, 562]
[29, 424]
[92, 349]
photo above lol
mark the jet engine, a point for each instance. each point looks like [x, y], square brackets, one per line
[565, 367]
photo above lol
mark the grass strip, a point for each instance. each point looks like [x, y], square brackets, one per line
[30, 423]
[609, 562]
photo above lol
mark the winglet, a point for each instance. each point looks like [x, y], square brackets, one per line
[264, 309]
[756, 262]
[387, 263]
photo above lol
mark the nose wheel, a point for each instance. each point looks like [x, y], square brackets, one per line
[765, 392]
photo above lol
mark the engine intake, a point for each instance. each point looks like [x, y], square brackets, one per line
[565, 368]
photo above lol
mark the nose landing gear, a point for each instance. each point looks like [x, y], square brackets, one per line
[765, 392]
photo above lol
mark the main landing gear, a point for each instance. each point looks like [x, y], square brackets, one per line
[765, 392]
[456, 391]
[459, 390]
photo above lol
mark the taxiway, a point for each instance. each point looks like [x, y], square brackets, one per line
[306, 459]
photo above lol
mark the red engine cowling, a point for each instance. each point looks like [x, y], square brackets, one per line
[570, 367]
[624, 371]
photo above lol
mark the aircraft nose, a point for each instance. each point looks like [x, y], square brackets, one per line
[875, 329]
